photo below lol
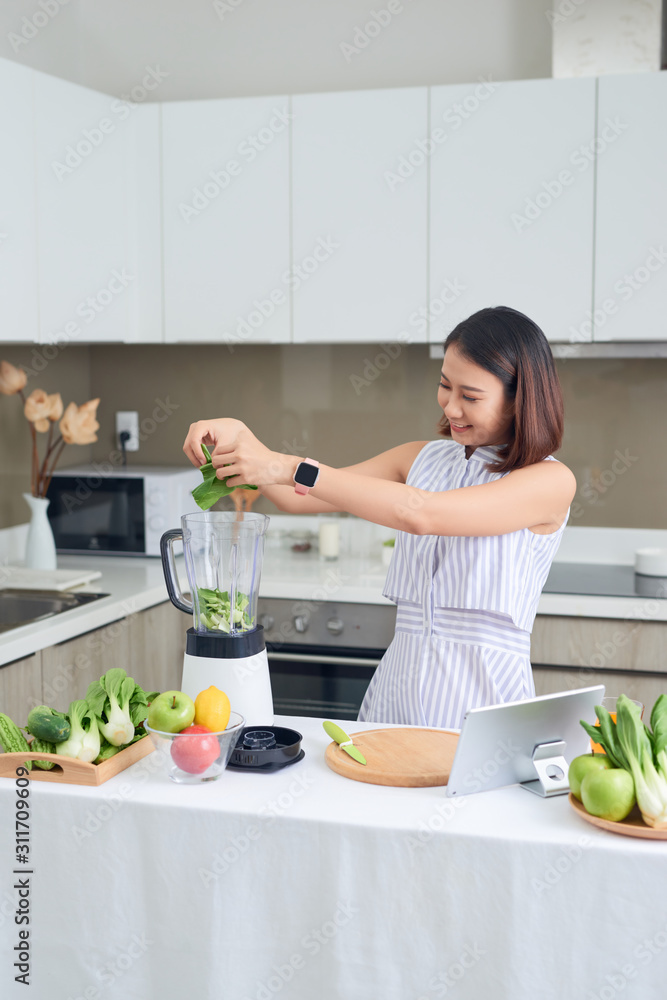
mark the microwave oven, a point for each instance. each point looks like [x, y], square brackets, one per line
[118, 511]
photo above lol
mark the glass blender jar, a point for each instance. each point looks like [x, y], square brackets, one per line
[225, 647]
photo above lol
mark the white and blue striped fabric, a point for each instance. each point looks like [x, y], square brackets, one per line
[465, 608]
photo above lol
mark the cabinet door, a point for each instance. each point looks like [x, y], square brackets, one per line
[226, 220]
[640, 686]
[144, 212]
[149, 645]
[157, 646]
[631, 215]
[18, 236]
[85, 278]
[511, 220]
[21, 687]
[68, 669]
[359, 179]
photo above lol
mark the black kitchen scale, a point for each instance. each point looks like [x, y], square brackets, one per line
[269, 748]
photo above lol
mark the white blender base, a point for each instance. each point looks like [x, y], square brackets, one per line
[245, 681]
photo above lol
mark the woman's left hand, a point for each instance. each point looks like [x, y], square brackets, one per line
[247, 461]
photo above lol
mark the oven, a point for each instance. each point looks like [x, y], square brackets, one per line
[322, 654]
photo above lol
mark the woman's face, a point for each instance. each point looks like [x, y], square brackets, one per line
[473, 400]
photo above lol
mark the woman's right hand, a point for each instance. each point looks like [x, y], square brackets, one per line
[223, 431]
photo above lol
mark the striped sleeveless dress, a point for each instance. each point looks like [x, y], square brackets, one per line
[465, 608]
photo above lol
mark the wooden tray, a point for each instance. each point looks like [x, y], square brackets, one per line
[410, 758]
[75, 772]
[632, 826]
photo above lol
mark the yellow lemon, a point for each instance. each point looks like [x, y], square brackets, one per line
[212, 709]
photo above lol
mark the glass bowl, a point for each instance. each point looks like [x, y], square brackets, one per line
[191, 758]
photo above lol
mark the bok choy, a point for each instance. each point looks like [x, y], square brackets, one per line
[119, 705]
[212, 488]
[83, 742]
[642, 751]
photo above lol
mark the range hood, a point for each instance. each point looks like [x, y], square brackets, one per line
[596, 37]
[608, 349]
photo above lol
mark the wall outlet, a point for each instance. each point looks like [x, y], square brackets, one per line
[128, 420]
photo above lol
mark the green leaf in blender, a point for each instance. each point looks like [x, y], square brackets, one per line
[215, 611]
[212, 489]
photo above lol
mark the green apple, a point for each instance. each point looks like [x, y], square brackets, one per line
[609, 794]
[171, 711]
[581, 766]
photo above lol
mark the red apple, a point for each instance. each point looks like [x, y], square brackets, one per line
[194, 750]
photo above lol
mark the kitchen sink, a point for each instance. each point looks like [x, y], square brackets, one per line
[23, 607]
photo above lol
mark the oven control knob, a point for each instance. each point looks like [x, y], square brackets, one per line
[155, 497]
[155, 523]
[335, 626]
[267, 622]
[300, 623]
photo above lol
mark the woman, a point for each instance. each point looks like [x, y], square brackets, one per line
[479, 515]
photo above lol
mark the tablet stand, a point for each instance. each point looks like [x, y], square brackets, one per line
[551, 768]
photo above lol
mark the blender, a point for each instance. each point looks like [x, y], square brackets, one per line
[223, 559]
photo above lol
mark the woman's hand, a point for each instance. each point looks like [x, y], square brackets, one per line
[236, 453]
[245, 460]
[225, 430]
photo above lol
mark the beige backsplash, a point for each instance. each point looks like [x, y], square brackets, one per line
[336, 404]
[67, 373]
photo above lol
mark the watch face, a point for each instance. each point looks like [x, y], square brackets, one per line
[306, 475]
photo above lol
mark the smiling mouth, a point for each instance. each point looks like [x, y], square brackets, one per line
[459, 427]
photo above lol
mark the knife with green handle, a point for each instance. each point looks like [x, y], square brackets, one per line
[340, 737]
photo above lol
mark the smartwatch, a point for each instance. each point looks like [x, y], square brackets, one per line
[306, 475]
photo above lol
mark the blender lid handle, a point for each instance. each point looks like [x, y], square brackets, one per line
[169, 569]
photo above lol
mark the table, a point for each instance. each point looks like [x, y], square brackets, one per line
[304, 885]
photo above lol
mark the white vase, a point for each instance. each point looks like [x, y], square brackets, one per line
[40, 550]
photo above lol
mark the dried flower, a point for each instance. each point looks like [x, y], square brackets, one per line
[79, 424]
[37, 408]
[12, 379]
[56, 411]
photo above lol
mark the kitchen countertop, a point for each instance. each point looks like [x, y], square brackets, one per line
[134, 584]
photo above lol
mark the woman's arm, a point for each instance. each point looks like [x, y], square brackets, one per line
[536, 496]
[392, 466]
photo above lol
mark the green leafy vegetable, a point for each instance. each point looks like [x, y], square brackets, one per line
[106, 750]
[119, 705]
[84, 738]
[633, 746]
[215, 607]
[212, 489]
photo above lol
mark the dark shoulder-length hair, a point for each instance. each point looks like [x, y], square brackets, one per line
[507, 344]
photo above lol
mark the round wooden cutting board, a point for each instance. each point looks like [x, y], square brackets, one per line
[413, 758]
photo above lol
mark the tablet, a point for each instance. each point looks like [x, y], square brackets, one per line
[531, 742]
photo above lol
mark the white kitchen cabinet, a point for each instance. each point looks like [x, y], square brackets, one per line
[511, 203]
[84, 238]
[359, 194]
[144, 214]
[18, 237]
[226, 220]
[631, 218]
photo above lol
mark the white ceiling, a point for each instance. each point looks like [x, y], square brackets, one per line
[247, 47]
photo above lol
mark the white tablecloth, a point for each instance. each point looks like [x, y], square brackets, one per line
[304, 885]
